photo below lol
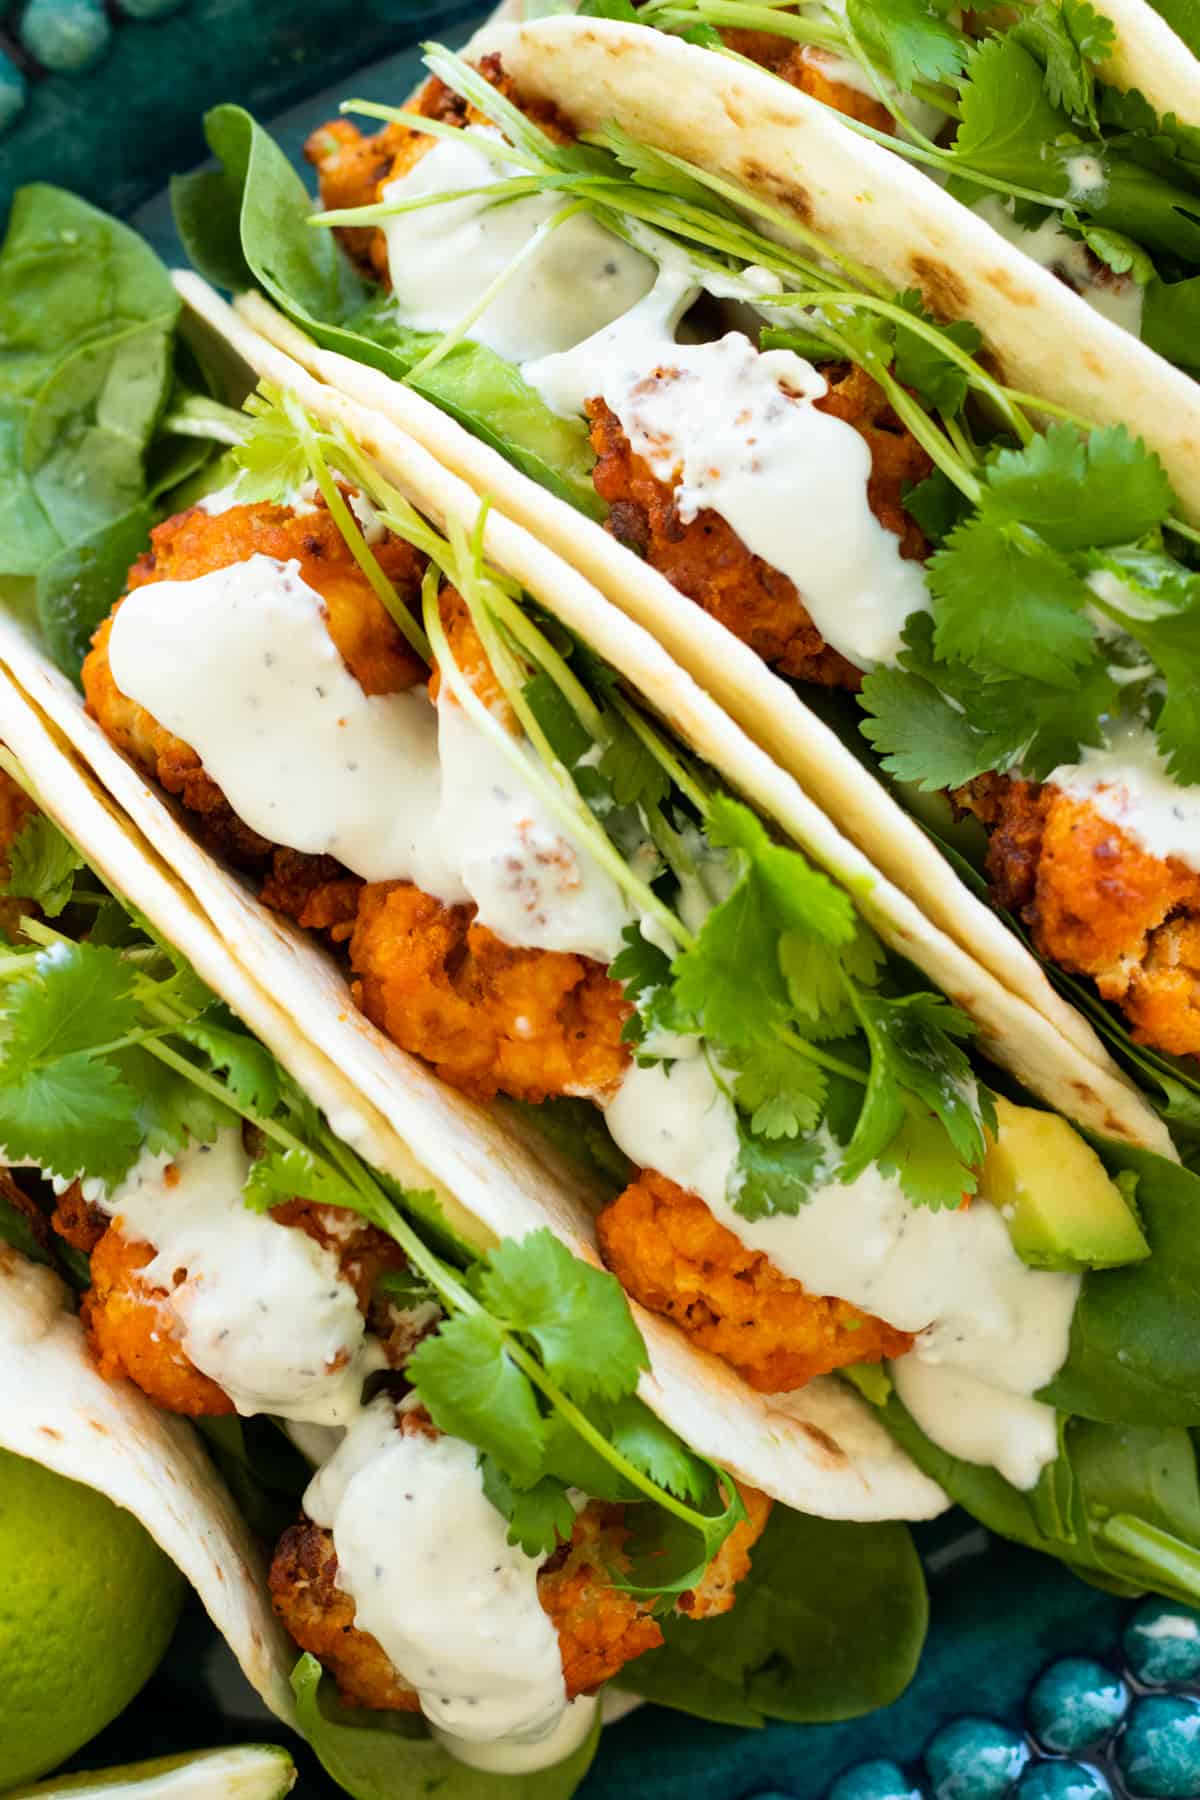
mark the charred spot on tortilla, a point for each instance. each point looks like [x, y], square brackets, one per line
[945, 292]
[822, 1438]
[1012, 289]
[757, 176]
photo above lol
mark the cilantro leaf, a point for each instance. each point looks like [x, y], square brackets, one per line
[271, 459]
[655, 1450]
[1006, 603]
[816, 981]
[923, 1158]
[781, 1090]
[472, 1389]
[913, 1039]
[636, 776]
[296, 1174]
[1164, 618]
[921, 365]
[940, 724]
[558, 719]
[911, 40]
[1075, 492]
[74, 1117]
[1118, 252]
[779, 1177]
[1006, 117]
[577, 1315]
[172, 1111]
[921, 735]
[730, 983]
[42, 865]
[1066, 36]
[538, 1516]
[642, 967]
[77, 997]
[937, 505]
[251, 1072]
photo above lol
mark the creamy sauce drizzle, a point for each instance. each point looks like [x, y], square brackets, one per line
[240, 664]
[424, 1556]
[264, 1310]
[532, 887]
[990, 1330]
[442, 259]
[521, 1755]
[1116, 297]
[738, 429]
[1127, 783]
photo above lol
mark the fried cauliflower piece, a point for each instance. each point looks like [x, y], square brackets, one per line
[132, 1328]
[1098, 904]
[490, 1018]
[808, 68]
[717, 1591]
[315, 890]
[320, 1619]
[353, 169]
[707, 560]
[668, 1251]
[600, 1628]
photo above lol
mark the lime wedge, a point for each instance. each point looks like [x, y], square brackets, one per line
[247, 1772]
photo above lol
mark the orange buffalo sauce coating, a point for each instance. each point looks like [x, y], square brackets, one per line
[668, 1251]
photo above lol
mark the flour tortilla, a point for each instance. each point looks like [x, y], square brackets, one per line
[829, 1456]
[753, 128]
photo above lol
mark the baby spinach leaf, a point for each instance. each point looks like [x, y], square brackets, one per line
[87, 313]
[379, 1756]
[77, 586]
[1120, 1504]
[1134, 1351]
[793, 1647]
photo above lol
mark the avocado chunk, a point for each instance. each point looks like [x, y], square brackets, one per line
[1062, 1208]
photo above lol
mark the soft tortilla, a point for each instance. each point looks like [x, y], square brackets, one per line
[1051, 342]
[831, 1458]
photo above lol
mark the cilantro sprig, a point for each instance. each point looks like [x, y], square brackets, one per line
[109, 1049]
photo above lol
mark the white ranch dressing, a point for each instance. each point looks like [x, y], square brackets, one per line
[677, 1119]
[737, 427]
[637, 340]
[990, 1330]
[522, 1756]
[264, 1309]
[443, 258]
[1127, 782]
[1117, 298]
[533, 887]
[239, 663]
[424, 1555]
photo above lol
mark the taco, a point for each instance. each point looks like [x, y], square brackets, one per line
[1071, 133]
[238, 1262]
[971, 566]
[644, 913]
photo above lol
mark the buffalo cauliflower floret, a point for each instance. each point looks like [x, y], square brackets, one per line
[668, 1251]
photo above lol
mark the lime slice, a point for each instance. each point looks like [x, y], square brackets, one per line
[247, 1772]
[88, 1603]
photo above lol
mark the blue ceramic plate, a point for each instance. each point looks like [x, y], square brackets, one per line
[1032, 1684]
